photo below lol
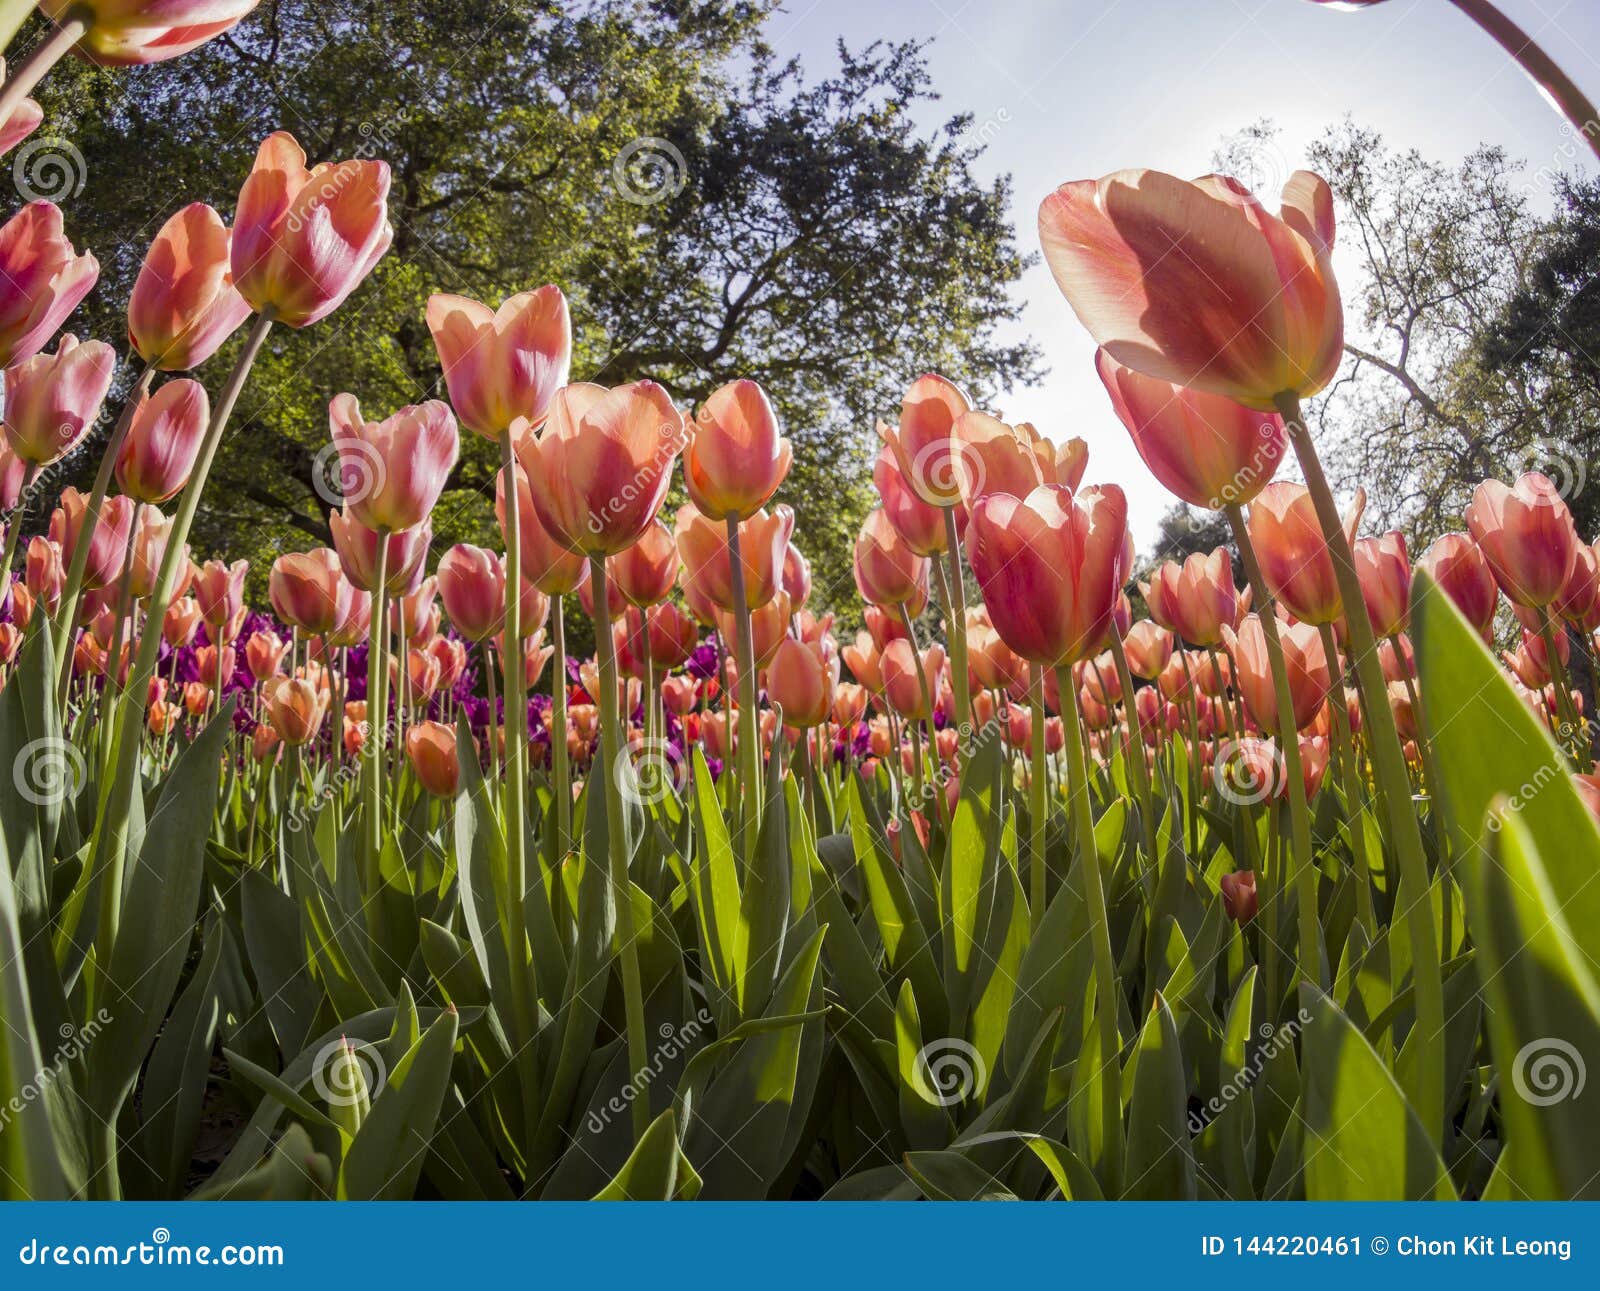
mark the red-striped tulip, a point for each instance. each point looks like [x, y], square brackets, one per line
[600, 469]
[359, 547]
[163, 441]
[184, 305]
[53, 399]
[736, 456]
[1051, 568]
[1205, 448]
[42, 279]
[1526, 534]
[1198, 284]
[303, 240]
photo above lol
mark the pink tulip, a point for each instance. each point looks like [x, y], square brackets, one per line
[359, 548]
[736, 456]
[1205, 448]
[920, 523]
[1385, 574]
[13, 472]
[42, 279]
[309, 590]
[1294, 558]
[472, 584]
[505, 365]
[109, 542]
[1051, 566]
[1307, 666]
[53, 399]
[1457, 565]
[548, 563]
[992, 457]
[1195, 599]
[1198, 284]
[44, 571]
[600, 469]
[1526, 534]
[702, 544]
[184, 305]
[887, 570]
[392, 472]
[303, 240]
[800, 680]
[647, 571]
[220, 591]
[163, 441]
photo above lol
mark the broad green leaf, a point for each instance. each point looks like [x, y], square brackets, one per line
[386, 1158]
[1160, 1162]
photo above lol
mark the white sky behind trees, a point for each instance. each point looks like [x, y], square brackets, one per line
[1073, 89]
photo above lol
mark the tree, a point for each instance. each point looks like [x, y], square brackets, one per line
[710, 214]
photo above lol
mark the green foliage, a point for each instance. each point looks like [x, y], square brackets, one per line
[800, 231]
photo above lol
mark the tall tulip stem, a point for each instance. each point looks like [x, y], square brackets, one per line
[1305, 874]
[1105, 966]
[1554, 83]
[612, 745]
[1394, 786]
[1134, 747]
[956, 632]
[1350, 776]
[1038, 799]
[42, 57]
[67, 607]
[377, 724]
[559, 760]
[516, 688]
[109, 851]
[749, 741]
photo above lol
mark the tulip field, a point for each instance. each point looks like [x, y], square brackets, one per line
[1263, 875]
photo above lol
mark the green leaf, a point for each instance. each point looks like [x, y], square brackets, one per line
[1363, 1140]
[656, 1170]
[386, 1158]
[1160, 1162]
[949, 1176]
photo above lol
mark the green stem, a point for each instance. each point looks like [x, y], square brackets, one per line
[611, 744]
[956, 633]
[109, 851]
[1038, 801]
[559, 759]
[377, 724]
[749, 728]
[42, 57]
[1105, 970]
[1304, 880]
[67, 608]
[1135, 747]
[1427, 1077]
[1350, 776]
[1557, 86]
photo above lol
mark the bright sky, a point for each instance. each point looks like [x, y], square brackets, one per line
[1073, 89]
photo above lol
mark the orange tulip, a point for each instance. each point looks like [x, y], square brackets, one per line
[1205, 448]
[220, 591]
[308, 590]
[184, 305]
[924, 442]
[1385, 575]
[1148, 646]
[887, 570]
[129, 32]
[909, 680]
[263, 654]
[303, 240]
[702, 544]
[1307, 666]
[736, 456]
[1526, 534]
[431, 747]
[163, 441]
[295, 707]
[646, 572]
[53, 399]
[504, 366]
[600, 469]
[472, 584]
[992, 457]
[1294, 558]
[800, 680]
[1196, 283]
[920, 523]
[1051, 566]
[547, 562]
